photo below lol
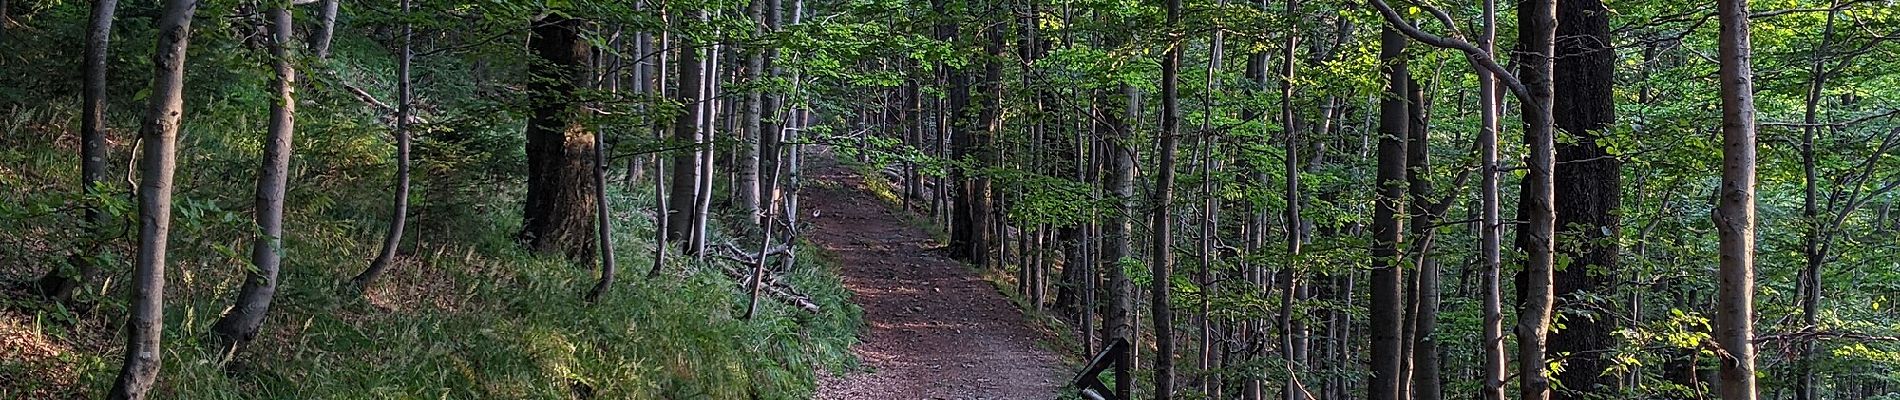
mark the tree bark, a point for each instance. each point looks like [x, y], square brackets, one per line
[1162, 238]
[748, 152]
[1424, 382]
[560, 204]
[1118, 233]
[246, 315]
[1588, 198]
[603, 221]
[399, 214]
[1290, 126]
[1735, 213]
[1537, 234]
[326, 28]
[682, 203]
[159, 134]
[60, 283]
[1387, 230]
[1492, 227]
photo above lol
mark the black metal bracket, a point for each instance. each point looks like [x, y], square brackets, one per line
[1090, 380]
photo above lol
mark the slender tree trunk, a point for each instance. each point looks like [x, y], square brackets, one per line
[399, 215]
[1425, 375]
[1290, 125]
[1162, 238]
[326, 27]
[603, 220]
[702, 204]
[1537, 234]
[772, 122]
[1735, 213]
[1809, 287]
[159, 135]
[1208, 380]
[1492, 227]
[657, 88]
[1388, 231]
[758, 264]
[60, 283]
[560, 203]
[1119, 234]
[241, 322]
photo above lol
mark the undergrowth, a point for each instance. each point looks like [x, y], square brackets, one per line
[465, 314]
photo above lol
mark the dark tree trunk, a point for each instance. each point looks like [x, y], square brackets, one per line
[560, 207]
[60, 283]
[1162, 240]
[159, 135]
[1387, 231]
[1589, 197]
[682, 203]
[241, 322]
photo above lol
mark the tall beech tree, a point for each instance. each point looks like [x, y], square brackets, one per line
[159, 133]
[399, 211]
[60, 283]
[688, 130]
[1387, 230]
[241, 322]
[1162, 237]
[1734, 320]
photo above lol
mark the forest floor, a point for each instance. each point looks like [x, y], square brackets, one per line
[935, 329]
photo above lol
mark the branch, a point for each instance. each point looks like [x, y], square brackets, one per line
[1478, 56]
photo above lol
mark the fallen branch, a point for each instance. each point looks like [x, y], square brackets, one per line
[780, 291]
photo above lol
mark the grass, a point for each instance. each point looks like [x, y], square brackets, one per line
[465, 313]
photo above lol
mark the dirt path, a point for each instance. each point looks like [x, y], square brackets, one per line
[935, 329]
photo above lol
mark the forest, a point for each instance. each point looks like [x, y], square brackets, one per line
[846, 199]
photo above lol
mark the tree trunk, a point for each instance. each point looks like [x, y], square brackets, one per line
[1290, 125]
[702, 201]
[1815, 254]
[603, 221]
[657, 88]
[1119, 232]
[1423, 372]
[1492, 227]
[560, 204]
[60, 283]
[682, 203]
[326, 28]
[1537, 234]
[1162, 238]
[771, 122]
[241, 322]
[1735, 213]
[1588, 198]
[399, 216]
[159, 135]
[747, 151]
[1387, 231]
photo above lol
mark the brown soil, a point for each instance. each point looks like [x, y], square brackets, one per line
[935, 330]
